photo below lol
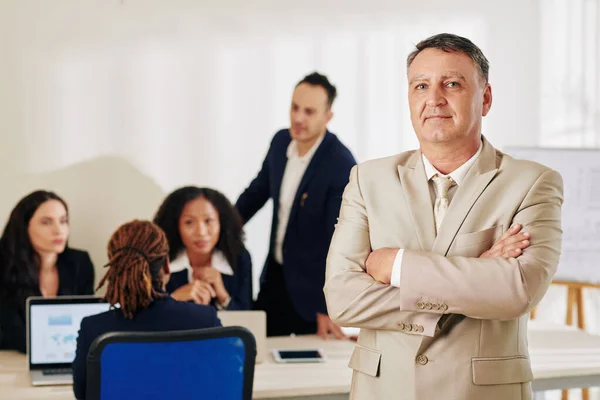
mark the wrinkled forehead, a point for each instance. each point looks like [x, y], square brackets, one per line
[436, 64]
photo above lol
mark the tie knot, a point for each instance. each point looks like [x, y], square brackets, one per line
[442, 184]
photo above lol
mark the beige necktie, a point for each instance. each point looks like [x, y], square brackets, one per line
[442, 184]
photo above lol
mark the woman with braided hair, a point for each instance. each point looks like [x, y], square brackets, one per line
[138, 270]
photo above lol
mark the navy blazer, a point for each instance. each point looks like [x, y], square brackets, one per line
[312, 218]
[239, 285]
[164, 314]
[75, 277]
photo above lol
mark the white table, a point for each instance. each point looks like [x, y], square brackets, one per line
[328, 380]
[562, 358]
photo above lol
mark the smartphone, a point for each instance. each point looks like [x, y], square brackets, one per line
[299, 356]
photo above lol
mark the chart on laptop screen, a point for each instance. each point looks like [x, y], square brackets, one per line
[54, 329]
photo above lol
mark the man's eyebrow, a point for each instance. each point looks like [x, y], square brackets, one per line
[420, 77]
[446, 75]
[454, 74]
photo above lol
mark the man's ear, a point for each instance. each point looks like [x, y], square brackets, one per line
[487, 100]
[329, 115]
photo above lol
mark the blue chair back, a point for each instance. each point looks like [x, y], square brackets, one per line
[214, 363]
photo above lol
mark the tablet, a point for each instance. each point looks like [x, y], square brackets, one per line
[298, 356]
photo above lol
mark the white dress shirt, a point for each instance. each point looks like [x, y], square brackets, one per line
[458, 175]
[218, 261]
[294, 171]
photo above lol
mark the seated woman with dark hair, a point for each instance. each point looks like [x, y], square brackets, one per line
[138, 271]
[209, 263]
[35, 260]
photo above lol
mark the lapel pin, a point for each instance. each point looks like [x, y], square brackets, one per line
[304, 197]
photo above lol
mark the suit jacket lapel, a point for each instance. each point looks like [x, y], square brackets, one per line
[477, 179]
[418, 198]
[311, 170]
[279, 163]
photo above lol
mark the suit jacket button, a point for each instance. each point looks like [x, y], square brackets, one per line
[444, 307]
[428, 305]
[435, 306]
[420, 328]
[420, 305]
[401, 326]
[408, 327]
[422, 359]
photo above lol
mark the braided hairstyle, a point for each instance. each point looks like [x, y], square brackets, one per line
[137, 253]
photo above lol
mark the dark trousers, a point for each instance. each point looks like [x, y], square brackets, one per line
[273, 298]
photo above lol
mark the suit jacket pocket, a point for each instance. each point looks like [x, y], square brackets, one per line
[485, 237]
[501, 370]
[365, 360]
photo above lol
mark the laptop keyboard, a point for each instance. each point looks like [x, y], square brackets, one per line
[59, 371]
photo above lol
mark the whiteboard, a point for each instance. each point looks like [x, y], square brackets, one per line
[580, 170]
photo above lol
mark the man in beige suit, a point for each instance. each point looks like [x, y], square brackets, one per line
[442, 309]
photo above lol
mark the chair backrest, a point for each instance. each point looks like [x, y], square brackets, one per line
[214, 363]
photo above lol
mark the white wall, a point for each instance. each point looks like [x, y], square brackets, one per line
[115, 103]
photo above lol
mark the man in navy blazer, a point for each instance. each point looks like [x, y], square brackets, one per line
[305, 172]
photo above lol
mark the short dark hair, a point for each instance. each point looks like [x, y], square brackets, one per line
[449, 42]
[19, 262]
[231, 239]
[317, 79]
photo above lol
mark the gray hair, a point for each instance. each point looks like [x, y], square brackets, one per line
[449, 42]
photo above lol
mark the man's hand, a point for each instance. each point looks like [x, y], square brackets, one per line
[510, 244]
[380, 262]
[325, 326]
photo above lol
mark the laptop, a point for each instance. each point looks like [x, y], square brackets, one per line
[52, 328]
[255, 322]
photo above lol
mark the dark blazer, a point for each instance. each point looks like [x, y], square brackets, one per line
[75, 277]
[239, 285]
[164, 314]
[312, 217]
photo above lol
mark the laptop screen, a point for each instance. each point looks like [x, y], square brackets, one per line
[53, 330]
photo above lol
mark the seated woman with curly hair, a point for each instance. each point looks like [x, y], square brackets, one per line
[209, 262]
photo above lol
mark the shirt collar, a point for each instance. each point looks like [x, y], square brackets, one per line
[292, 150]
[459, 174]
[218, 261]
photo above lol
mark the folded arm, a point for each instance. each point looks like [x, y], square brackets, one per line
[493, 288]
[353, 297]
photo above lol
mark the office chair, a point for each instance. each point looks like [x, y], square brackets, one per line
[214, 363]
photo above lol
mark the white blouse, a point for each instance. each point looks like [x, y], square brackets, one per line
[218, 261]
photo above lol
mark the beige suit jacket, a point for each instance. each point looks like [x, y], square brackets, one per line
[478, 349]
